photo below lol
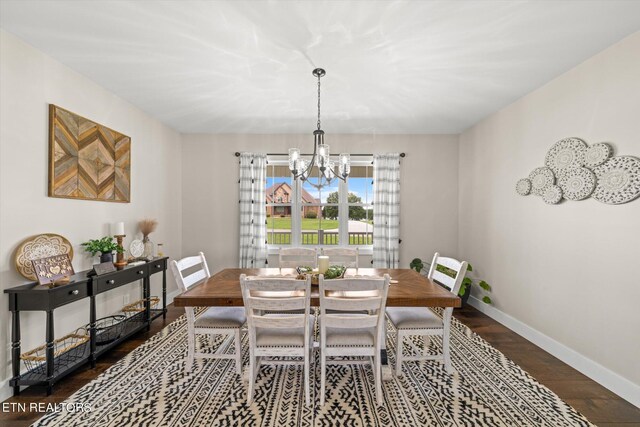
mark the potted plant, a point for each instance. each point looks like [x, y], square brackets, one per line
[467, 282]
[105, 246]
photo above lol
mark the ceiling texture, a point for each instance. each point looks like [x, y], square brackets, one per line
[392, 66]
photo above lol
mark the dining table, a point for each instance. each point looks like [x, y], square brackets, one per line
[408, 288]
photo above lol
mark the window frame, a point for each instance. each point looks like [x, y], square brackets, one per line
[297, 205]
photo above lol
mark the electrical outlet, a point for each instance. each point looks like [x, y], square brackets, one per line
[126, 299]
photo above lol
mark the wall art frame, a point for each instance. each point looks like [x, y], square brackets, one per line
[87, 160]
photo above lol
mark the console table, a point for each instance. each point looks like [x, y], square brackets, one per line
[35, 297]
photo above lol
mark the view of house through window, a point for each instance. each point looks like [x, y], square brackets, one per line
[337, 214]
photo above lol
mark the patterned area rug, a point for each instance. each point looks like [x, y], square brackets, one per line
[150, 387]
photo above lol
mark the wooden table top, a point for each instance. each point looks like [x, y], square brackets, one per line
[412, 289]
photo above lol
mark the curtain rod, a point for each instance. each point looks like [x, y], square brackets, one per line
[237, 154]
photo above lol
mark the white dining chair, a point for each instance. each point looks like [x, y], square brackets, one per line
[189, 272]
[286, 333]
[346, 257]
[422, 321]
[297, 257]
[352, 324]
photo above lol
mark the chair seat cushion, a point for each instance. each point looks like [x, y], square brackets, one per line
[345, 337]
[222, 317]
[282, 337]
[413, 318]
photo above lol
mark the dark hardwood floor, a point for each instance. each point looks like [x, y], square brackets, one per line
[598, 404]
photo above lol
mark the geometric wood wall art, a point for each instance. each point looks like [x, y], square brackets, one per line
[581, 171]
[87, 160]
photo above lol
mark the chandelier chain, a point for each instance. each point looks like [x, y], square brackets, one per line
[318, 102]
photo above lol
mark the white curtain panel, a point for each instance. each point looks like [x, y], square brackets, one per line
[386, 210]
[253, 229]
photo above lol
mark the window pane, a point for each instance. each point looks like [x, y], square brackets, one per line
[360, 190]
[310, 194]
[360, 184]
[279, 184]
[360, 230]
[315, 229]
[279, 225]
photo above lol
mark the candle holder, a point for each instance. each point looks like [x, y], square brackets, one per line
[120, 261]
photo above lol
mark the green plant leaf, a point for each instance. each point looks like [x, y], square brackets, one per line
[416, 264]
[463, 289]
[103, 245]
[484, 285]
[469, 267]
[486, 300]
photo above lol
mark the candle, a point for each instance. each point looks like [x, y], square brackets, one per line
[323, 264]
[118, 229]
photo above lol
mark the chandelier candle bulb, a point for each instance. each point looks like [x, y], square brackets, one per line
[323, 264]
[294, 155]
[117, 229]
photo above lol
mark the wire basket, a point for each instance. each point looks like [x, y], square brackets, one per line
[109, 329]
[66, 351]
[138, 306]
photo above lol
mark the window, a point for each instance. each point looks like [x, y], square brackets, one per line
[337, 215]
[279, 207]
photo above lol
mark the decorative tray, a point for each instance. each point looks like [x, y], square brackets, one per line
[333, 272]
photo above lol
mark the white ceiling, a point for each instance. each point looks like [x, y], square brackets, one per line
[392, 67]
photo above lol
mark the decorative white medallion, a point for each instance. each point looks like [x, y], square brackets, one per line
[136, 248]
[618, 180]
[566, 154]
[523, 187]
[552, 195]
[541, 178]
[40, 246]
[577, 183]
[597, 154]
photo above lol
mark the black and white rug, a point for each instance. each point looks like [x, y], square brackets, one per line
[150, 387]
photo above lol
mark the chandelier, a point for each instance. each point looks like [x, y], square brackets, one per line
[321, 158]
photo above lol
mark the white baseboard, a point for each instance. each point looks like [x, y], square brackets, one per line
[607, 378]
[6, 391]
[172, 295]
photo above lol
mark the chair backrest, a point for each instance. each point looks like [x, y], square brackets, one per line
[297, 257]
[456, 268]
[264, 294]
[346, 257]
[187, 274]
[346, 296]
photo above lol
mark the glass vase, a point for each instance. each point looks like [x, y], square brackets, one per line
[148, 247]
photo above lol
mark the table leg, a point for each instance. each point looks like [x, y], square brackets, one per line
[15, 349]
[164, 293]
[146, 283]
[92, 330]
[50, 351]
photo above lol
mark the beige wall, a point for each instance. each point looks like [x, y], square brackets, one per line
[429, 189]
[29, 81]
[569, 270]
